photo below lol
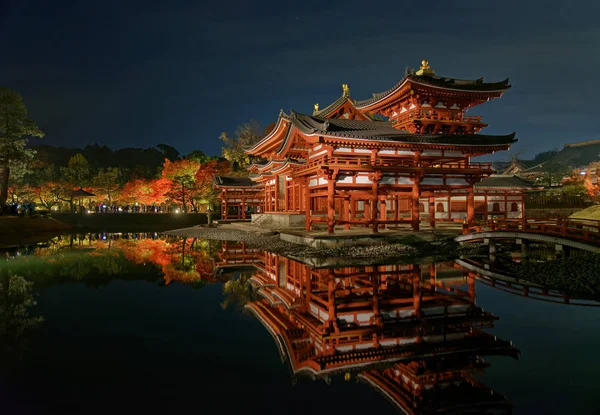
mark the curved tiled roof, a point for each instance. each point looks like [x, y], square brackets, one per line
[384, 131]
[335, 104]
[233, 181]
[505, 181]
[475, 85]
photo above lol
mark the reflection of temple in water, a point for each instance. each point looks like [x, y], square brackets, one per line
[412, 332]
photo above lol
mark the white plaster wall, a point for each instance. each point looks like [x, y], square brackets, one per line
[317, 154]
[344, 179]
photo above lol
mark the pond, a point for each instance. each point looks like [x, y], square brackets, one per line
[113, 323]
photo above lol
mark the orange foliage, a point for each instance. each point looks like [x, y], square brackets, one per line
[178, 260]
[145, 192]
[592, 189]
[180, 170]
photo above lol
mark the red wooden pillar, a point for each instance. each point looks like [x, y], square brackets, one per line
[243, 206]
[485, 209]
[346, 212]
[308, 279]
[505, 205]
[374, 200]
[416, 280]
[471, 283]
[331, 202]
[470, 205]
[383, 211]
[396, 208]
[414, 217]
[276, 195]
[377, 318]
[224, 209]
[432, 211]
[331, 298]
[266, 198]
[307, 204]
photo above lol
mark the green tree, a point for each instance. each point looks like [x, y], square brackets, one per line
[200, 157]
[76, 174]
[15, 128]
[107, 182]
[77, 171]
[17, 298]
[245, 136]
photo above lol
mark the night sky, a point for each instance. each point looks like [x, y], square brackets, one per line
[138, 73]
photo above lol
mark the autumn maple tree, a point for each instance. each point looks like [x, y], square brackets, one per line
[182, 174]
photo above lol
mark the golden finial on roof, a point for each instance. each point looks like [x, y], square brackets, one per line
[316, 107]
[425, 68]
[346, 90]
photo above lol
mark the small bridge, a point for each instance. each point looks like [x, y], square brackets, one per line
[578, 234]
[513, 285]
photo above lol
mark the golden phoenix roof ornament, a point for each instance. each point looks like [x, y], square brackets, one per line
[346, 90]
[316, 107]
[425, 69]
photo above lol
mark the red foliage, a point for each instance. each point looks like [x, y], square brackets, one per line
[145, 192]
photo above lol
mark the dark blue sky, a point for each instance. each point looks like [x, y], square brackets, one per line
[139, 73]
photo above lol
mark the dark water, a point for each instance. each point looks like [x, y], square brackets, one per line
[134, 323]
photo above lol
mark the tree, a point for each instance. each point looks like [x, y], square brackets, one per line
[169, 152]
[204, 191]
[200, 157]
[18, 189]
[545, 155]
[107, 183]
[76, 173]
[245, 136]
[146, 192]
[77, 170]
[15, 128]
[182, 174]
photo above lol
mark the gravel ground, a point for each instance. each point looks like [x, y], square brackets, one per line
[271, 242]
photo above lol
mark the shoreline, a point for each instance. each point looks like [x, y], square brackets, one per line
[376, 252]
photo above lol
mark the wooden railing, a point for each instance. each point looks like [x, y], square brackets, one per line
[436, 116]
[365, 160]
[587, 231]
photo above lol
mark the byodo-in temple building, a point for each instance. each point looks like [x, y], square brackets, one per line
[412, 332]
[402, 156]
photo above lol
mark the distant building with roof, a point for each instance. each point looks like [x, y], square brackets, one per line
[572, 156]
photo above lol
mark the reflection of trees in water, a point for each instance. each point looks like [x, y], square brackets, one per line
[238, 292]
[98, 258]
[16, 300]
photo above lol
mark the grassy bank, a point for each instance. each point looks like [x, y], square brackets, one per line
[26, 225]
[130, 222]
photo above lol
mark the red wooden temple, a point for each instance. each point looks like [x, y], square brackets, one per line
[403, 154]
[239, 196]
[414, 332]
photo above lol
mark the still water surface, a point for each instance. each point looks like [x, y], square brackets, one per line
[135, 322]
